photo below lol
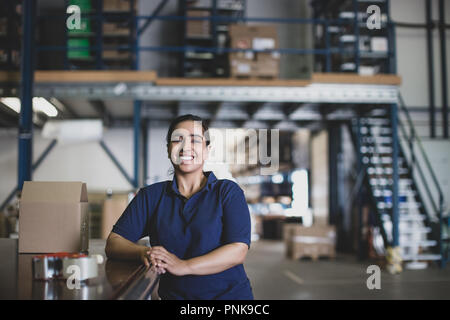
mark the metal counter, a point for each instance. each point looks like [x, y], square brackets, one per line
[117, 279]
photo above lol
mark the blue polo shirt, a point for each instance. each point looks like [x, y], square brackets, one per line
[214, 216]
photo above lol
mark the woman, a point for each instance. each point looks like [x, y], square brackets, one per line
[199, 226]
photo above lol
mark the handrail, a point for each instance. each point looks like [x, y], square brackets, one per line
[435, 207]
[442, 205]
[419, 142]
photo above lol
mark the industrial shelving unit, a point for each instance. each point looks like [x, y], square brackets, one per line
[108, 31]
[202, 29]
[352, 43]
[10, 34]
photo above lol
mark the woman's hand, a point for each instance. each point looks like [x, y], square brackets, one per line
[145, 258]
[163, 259]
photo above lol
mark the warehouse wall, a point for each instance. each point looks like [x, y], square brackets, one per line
[85, 162]
[412, 63]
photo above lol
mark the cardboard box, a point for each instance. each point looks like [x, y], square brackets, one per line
[266, 65]
[254, 64]
[198, 28]
[258, 37]
[53, 217]
[112, 210]
[113, 28]
[313, 242]
[117, 5]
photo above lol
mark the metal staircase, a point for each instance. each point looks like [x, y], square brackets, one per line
[423, 227]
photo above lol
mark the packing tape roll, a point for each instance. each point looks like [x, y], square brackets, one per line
[63, 265]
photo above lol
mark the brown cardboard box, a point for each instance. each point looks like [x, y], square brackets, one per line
[112, 28]
[314, 241]
[112, 210]
[117, 5]
[266, 65]
[259, 64]
[53, 217]
[254, 36]
[198, 28]
[240, 65]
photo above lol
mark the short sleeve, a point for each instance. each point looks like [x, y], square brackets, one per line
[236, 216]
[132, 224]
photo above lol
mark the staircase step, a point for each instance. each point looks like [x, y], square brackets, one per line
[411, 217]
[386, 171]
[409, 205]
[422, 243]
[414, 230]
[376, 150]
[378, 140]
[423, 256]
[388, 193]
[375, 121]
[375, 131]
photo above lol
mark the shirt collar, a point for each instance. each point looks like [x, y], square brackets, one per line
[173, 187]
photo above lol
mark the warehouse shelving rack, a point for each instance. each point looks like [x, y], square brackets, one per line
[99, 53]
[214, 64]
[10, 24]
[347, 37]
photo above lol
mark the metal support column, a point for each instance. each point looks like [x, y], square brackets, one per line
[334, 154]
[26, 94]
[432, 107]
[145, 152]
[137, 133]
[136, 103]
[443, 67]
[395, 176]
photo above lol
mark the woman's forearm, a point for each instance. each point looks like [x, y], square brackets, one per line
[119, 247]
[218, 260]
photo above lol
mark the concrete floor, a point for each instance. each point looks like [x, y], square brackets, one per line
[273, 276]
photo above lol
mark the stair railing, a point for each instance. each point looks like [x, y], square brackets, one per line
[413, 138]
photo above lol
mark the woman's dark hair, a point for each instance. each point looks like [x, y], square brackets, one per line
[187, 117]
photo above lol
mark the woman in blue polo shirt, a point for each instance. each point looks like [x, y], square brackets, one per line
[199, 226]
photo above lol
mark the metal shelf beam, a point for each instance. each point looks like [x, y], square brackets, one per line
[314, 93]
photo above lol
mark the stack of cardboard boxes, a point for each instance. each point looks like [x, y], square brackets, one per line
[312, 242]
[198, 28]
[254, 64]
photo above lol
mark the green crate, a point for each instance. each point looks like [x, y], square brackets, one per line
[78, 53]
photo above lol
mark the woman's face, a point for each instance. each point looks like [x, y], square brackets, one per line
[187, 147]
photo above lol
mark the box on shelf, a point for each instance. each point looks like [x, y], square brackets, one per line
[198, 28]
[78, 48]
[53, 217]
[313, 242]
[254, 64]
[379, 44]
[258, 37]
[112, 28]
[112, 210]
[118, 5]
[114, 54]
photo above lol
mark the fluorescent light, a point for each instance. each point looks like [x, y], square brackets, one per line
[39, 105]
[42, 105]
[12, 103]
